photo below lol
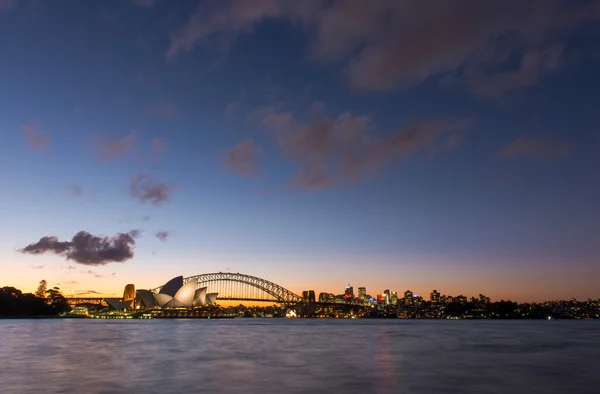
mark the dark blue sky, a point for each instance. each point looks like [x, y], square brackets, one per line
[450, 146]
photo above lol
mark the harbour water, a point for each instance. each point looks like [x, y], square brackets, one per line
[299, 356]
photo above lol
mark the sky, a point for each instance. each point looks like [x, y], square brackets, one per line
[387, 144]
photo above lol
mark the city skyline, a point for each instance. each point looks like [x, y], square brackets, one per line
[315, 144]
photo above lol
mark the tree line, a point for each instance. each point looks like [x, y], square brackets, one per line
[45, 302]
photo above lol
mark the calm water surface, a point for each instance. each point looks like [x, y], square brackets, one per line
[299, 356]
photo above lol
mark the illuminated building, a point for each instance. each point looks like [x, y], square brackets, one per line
[309, 296]
[408, 297]
[118, 304]
[394, 298]
[434, 296]
[326, 297]
[79, 311]
[349, 292]
[173, 294]
[211, 299]
[386, 295]
[183, 297]
[129, 295]
[145, 299]
[362, 293]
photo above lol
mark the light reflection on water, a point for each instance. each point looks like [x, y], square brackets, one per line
[299, 356]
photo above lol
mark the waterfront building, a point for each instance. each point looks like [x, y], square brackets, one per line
[326, 297]
[434, 296]
[308, 296]
[173, 294]
[394, 298]
[483, 299]
[362, 293]
[118, 304]
[129, 293]
[349, 292]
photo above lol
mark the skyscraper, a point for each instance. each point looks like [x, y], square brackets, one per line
[362, 293]
[434, 296]
[349, 292]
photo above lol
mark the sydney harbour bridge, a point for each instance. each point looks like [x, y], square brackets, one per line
[230, 287]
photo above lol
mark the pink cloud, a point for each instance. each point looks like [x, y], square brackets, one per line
[534, 64]
[144, 188]
[115, 149]
[243, 158]
[36, 138]
[389, 44]
[334, 151]
[229, 17]
[6, 4]
[537, 147]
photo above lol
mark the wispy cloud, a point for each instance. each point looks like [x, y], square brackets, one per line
[115, 149]
[243, 158]
[87, 292]
[6, 4]
[393, 44]
[38, 267]
[86, 249]
[162, 235]
[144, 188]
[136, 233]
[36, 138]
[92, 273]
[537, 147]
[334, 151]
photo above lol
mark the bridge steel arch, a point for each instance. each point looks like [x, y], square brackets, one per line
[279, 293]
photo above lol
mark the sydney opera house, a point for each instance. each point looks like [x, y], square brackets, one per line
[173, 294]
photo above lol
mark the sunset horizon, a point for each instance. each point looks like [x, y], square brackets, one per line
[312, 144]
